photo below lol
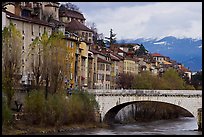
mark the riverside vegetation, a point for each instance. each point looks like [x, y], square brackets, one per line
[55, 111]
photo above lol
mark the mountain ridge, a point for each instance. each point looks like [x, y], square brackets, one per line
[187, 51]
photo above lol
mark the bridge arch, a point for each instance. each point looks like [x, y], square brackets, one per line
[111, 113]
[191, 100]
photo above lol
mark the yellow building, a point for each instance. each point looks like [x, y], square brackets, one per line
[72, 47]
[83, 65]
[130, 66]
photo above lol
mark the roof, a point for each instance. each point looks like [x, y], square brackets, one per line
[75, 25]
[94, 51]
[71, 13]
[184, 69]
[30, 20]
[114, 57]
[120, 50]
[117, 55]
[157, 55]
[103, 61]
[56, 22]
[129, 58]
[167, 63]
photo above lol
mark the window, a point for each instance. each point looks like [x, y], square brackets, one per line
[82, 33]
[89, 34]
[107, 67]
[44, 29]
[71, 44]
[107, 77]
[102, 77]
[70, 75]
[39, 31]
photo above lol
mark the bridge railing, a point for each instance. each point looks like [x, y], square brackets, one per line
[146, 92]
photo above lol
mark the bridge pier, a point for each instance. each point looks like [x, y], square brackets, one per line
[200, 119]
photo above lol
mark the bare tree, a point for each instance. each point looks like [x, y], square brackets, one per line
[58, 66]
[36, 56]
[11, 60]
[50, 61]
[125, 80]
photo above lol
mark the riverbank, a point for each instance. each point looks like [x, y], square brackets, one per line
[20, 128]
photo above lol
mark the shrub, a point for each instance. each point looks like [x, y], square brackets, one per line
[6, 113]
[57, 110]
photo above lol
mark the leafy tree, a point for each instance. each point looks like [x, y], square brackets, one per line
[11, 57]
[171, 77]
[144, 81]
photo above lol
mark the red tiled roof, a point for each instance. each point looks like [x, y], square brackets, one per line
[72, 13]
[184, 69]
[114, 58]
[119, 56]
[157, 55]
[94, 51]
[75, 25]
[103, 61]
[129, 58]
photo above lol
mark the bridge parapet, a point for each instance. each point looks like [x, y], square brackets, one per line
[147, 92]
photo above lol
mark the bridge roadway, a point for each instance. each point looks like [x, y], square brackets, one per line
[111, 101]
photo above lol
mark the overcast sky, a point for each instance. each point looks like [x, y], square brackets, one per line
[131, 20]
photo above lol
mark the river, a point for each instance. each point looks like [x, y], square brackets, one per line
[179, 126]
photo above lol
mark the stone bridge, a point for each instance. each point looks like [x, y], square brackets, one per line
[111, 101]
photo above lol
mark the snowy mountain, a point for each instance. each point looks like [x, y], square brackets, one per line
[187, 51]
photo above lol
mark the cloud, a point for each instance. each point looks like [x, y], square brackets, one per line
[145, 19]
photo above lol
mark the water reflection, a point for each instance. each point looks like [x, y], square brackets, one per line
[180, 126]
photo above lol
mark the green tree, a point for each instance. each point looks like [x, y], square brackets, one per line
[171, 77]
[11, 57]
[144, 80]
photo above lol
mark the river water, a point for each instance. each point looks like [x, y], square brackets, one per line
[180, 126]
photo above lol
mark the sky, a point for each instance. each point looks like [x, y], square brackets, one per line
[132, 20]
